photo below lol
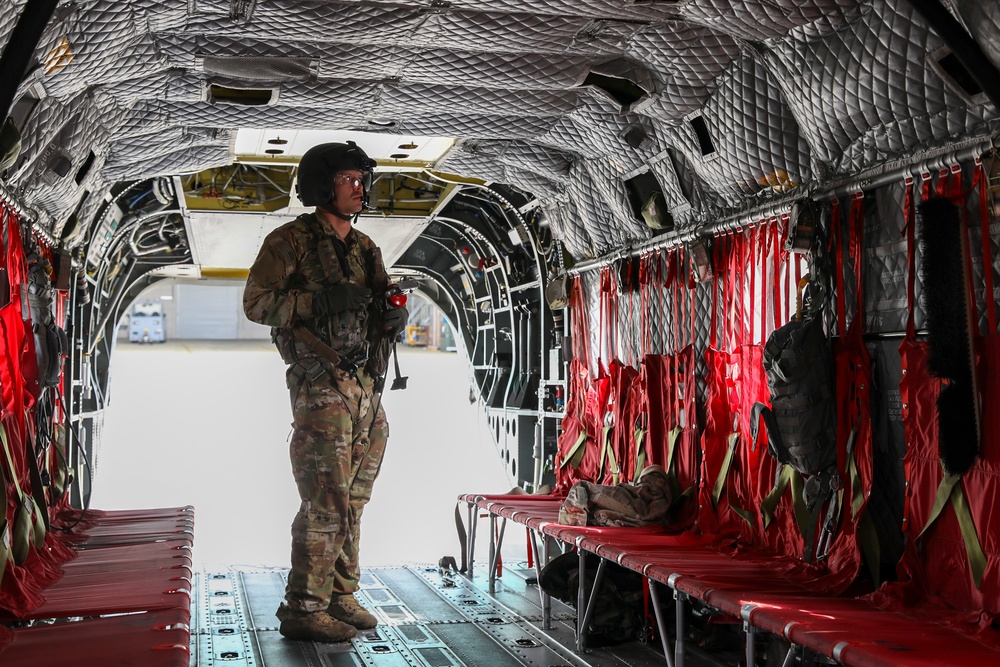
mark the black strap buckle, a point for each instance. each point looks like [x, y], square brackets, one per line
[349, 367]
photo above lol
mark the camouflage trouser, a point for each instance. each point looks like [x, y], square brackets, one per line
[335, 461]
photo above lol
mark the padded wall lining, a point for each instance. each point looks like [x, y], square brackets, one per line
[792, 94]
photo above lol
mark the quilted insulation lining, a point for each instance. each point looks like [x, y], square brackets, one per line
[793, 93]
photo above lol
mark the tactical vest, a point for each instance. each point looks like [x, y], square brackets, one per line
[344, 333]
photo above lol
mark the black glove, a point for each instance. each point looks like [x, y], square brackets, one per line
[346, 296]
[394, 320]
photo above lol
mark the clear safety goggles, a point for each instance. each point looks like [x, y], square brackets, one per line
[345, 178]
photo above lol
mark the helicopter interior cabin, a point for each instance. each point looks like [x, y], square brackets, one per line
[748, 245]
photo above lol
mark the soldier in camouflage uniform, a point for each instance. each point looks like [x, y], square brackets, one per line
[320, 284]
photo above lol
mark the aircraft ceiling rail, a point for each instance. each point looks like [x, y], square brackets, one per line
[929, 163]
[11, 201]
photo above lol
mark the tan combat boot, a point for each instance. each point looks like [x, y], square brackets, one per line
[347, 609]
[314, 626]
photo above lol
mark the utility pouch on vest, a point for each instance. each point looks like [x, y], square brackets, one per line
[285, 342]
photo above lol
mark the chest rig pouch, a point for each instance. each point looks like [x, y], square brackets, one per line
[343, 331]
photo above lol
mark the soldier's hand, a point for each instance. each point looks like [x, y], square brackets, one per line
[336, 299]
[395, 320]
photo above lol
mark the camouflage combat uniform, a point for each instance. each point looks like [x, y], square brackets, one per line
[338, 441]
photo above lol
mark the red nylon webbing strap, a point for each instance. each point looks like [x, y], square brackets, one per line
[730, 292]
[982, 182]
[672, 285]
[750, 301]
[925, 187]
[743, 303]
[791, 261]
[759, 298]
[578, 309]
[911, 333]
[613, 338]
[738, 271]
[646, 285]
[910, 347]
[762, 239]
[645, 315]
[776, 249]
[680, 287]
[688, 287]
[752, 269]
[662, 273]
[688, 293]
[601, 315]
[911, 271]
[674, 379]
[604, 330]
[693, 291]
[857, 239]
[716, 264]
[943, 189]
[647, 614]
[779, 257]
[955, 186]
[602, 290]
[630, 353]
[499, 572]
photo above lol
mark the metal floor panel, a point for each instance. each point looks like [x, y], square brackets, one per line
[427, 619]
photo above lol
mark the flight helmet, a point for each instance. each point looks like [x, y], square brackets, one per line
[321, 163]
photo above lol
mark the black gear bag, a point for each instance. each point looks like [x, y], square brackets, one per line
[802, 420]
